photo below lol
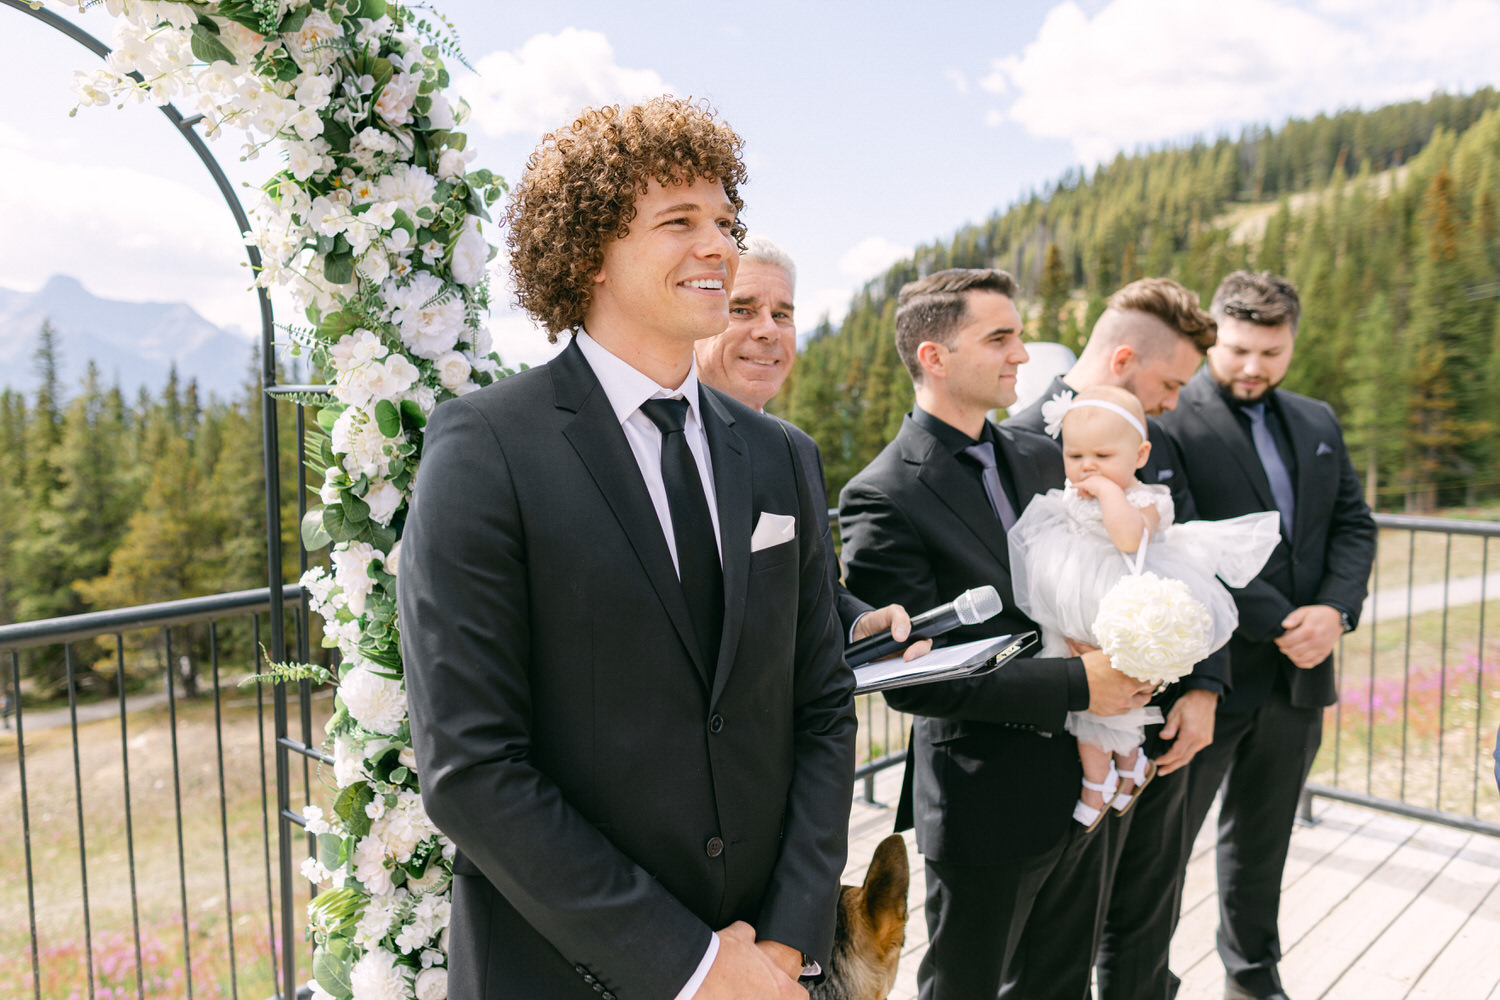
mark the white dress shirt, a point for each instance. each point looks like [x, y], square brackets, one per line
[627, 388]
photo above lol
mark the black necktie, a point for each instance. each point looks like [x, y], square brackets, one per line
[692, 526]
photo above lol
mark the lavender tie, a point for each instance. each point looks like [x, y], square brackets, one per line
[1270, 460]
[984, 454]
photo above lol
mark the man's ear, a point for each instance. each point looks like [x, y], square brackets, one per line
[933, 358]
[1142, 454]
[1122, 359]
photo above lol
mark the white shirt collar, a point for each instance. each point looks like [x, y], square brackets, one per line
[627, 387]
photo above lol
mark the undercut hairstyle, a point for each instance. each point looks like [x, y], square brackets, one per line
[579, 191]
[759, 250]
[1258, 297]
[1174, 305]
[934, 307]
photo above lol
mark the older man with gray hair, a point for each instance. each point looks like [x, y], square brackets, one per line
[750, 361]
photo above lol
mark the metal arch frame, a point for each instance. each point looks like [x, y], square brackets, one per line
[271, 458]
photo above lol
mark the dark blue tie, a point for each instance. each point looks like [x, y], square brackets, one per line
[1270, 460]
[698, 566]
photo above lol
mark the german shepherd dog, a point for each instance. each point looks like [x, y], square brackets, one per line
[871, 929]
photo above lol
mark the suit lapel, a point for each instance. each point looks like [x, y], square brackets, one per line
[1215, 414]
[1027, 466]
[733, 491]
[955, 488]
[595, 434]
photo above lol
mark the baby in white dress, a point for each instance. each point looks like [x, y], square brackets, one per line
[1100, 564]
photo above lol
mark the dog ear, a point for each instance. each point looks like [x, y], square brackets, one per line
[885, 888]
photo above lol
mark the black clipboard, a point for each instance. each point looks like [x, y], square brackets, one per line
[969, 659]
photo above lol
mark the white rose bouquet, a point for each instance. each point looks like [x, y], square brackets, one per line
[1153, 628]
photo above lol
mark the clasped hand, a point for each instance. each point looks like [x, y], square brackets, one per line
[745, 969]
[1311, 632]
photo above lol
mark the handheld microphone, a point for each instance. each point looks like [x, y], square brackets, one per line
[969, 608]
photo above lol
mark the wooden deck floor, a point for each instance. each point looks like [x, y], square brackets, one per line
[1374, 907]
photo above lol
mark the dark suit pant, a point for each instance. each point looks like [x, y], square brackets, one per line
[1149, 847]
[1262, 759]
[1025, 930]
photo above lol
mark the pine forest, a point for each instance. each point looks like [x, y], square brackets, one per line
[1386, 220]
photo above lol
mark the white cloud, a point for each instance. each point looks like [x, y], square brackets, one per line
[812, 307]
[1142, 71]
[127, 234]
[959, 81]
[549, 80]
[870, 256]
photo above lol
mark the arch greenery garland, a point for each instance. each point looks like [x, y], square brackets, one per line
[372, 227]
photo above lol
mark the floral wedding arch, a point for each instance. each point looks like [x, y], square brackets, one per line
[372, 228]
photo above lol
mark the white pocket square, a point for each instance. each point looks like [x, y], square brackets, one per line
[1324, 448]
[773, 529]
[1162, 475]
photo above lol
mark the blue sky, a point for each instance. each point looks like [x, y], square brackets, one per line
[870, 128]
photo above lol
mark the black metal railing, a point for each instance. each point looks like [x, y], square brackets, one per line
[1411, 733]
[149, 862]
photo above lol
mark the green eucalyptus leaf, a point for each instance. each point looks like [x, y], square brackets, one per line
[330, 852]
[206, 45]
[292, 23]
[314, 535]
[356, 511]
[337, 134]
[413, 414]
[382, 536]
[332, 974]
[335, 525]
[339, 267]
[387, 418]
[350, 807]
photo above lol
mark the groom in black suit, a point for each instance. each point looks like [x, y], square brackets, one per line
[1248, 446]
[628, 700]
[1014, 885]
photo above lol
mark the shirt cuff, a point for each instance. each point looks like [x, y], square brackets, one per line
[854, 625]
[690, 988]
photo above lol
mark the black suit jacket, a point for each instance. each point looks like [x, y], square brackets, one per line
[1163, 468]
[1333, 537]
[995, 773]
[613, 798]
[848, 606]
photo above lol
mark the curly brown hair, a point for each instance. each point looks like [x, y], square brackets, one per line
[580, 187]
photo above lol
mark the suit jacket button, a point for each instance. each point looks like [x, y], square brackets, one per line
[716, 723]
[714, 847]
[606, 995]
[589, 979]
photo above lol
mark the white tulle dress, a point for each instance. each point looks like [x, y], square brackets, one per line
[1064, 566]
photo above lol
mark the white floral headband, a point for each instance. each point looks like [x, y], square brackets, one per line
[1054, 409]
